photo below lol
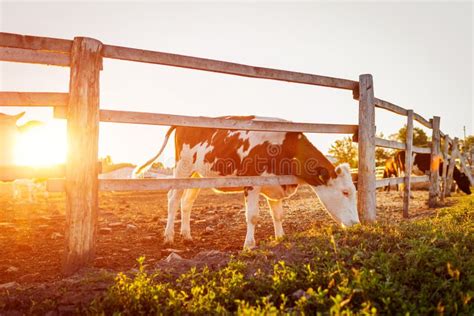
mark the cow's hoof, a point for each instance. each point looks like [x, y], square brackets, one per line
[169, 239]
[249, 245]
[187, 236]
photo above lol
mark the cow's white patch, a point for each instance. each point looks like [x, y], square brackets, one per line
[187, 165]
[256, 138]
[339, 197]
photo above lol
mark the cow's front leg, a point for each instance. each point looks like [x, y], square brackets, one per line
[174, 197]
[251, 214]
[187, 201]
[276, 207]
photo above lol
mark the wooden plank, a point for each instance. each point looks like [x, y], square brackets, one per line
[434, 163]
[58, 185]
[146, 56]
[445, 167]
[9, 173]
[113, 116]
[421, 150]
[401, 111]
[420, 179]
[380, 142]
[34, 99]
[34, 57]
[466, 169]
[82, 169]
[35, 42]
[390, 106]
[399, 180]
[420, 119]
[366, 185]
[380, 183]
[452, 164]
[408, 163]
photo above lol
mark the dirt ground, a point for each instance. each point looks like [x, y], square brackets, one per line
[131, 225]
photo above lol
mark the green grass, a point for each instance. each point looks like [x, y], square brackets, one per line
[417, 267]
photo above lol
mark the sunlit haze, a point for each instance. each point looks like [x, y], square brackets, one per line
[419, 54]
[43, 145]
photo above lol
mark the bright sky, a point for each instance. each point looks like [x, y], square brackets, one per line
[419, 54]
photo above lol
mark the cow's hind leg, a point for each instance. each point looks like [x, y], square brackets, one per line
[276, 208]
[251, 214]
[174, 197]
[187, 201]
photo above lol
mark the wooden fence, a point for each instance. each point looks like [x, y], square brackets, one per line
[81, 109]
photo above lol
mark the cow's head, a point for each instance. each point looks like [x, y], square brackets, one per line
[463, 182]
[339, 196]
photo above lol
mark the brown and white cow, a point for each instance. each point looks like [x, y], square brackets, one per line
[209, 152]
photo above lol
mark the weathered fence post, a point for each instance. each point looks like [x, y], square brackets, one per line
[366, 137]
[408, 163]
[465, 168]
[434, 163]
[445, 166]
[452, 164]
[82, 157]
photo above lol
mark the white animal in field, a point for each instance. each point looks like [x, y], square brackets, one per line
[28, 189]
[209, 152]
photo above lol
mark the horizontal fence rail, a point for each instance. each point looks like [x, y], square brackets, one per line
[58, 185]
[34, 99]
[35, 43]
[421, 150]
[380, 142]
[168, 59]
[147, 56]
[34, 57]
[401, 111]
[9, 173]
[399, 180]
[221, 123]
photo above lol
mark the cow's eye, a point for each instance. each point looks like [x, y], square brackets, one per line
[346, 193]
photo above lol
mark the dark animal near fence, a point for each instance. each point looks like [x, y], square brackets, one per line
[395, 166]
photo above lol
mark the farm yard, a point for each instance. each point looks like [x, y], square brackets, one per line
[256, 105]
[131, 225]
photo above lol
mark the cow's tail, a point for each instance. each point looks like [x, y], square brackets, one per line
[139, 170]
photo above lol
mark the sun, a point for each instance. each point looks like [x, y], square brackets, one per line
[44, 145]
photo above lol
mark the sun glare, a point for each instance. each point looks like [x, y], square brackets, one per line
[44, 145]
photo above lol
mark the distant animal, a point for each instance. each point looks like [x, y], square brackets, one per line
[395, 166]
[210, 152]
[28, 189]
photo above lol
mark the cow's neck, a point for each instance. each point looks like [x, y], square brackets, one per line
[310, 158]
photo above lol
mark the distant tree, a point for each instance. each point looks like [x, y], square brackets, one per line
[345, 151]
[468, 144]
[419, 136]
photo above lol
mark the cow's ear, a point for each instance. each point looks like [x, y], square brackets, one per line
[18, 116]
[323, 175]
[343, 169]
